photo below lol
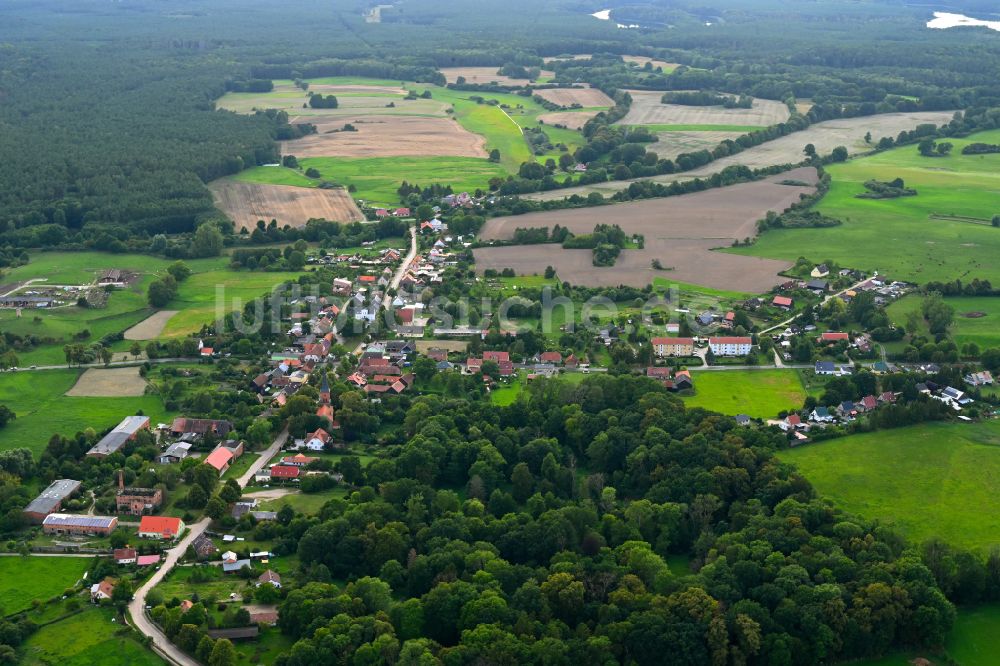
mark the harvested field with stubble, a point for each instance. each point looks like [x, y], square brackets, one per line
[674, 143]
[827, 135]
[680, 232]
[482, 75]
[108, 383]
[642, 60]
[151, 327]
[648, 110]
[245, 203]
[573, 120]
[569, 96]
[389, 136]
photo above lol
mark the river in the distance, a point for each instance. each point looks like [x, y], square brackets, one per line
[944, 20]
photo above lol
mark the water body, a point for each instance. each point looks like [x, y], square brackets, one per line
[944, 20]
[605, 15]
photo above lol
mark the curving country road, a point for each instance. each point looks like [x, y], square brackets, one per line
[137, 607]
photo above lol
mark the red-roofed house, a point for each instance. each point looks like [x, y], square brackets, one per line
[207, 351]
[285, 472]
[298, 460]
[832, 336]
[496, 356]
[221, 458]
[160, 527]
[782, 302]
[658, 373]
[401, 212]
[367, 279]
[125, 555]
[550, 357]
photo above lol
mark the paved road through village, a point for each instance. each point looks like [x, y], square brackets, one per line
[137, 607]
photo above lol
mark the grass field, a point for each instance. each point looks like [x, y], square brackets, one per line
[377, 178]
[42, 408]
[756, 393]
[24, 579]
[943, 233]
[929, 480]
[984, 331]
[88, 638]
[126, 307]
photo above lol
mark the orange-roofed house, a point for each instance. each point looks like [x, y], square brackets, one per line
[367, 279]
[221, 458]
[160, 527]
[782, 302]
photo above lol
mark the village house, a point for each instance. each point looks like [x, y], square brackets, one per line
[730, 346]
[284, 473]
[784, 302]
[220, 459]
[269, 578]
[125, 555]
[160, 527]
[673, 346]
[298, 460]
[103, 590]
[984, 378]
[820, 271]
[175, 453]
[825, 368]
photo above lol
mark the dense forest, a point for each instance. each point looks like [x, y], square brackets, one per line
[109, 131]
[544, 532]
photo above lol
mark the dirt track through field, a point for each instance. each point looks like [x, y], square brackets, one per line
[389, 136]
[680, 232]
[109, 383]
[825, 136]
[245, 203]
[570, 96]
[647, 109]
[151, 327]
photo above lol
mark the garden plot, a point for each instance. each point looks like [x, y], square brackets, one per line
[108, 383]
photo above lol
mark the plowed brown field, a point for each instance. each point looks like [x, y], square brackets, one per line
[245, 203]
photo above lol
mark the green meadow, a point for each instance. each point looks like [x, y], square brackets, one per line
[756, 393]
[196, 298]
[943, 233]
[38, 398]
[25, 579]
[92, 637]
[984, 331]
[378, 178]
[930, 480]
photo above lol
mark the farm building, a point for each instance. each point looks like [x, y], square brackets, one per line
[19, 301]
[221, 458]
[730, 346]
[175, 453]
[50, 500]
[137, 501]
[160, 527]
[673, 346]
[834, 336]
[122, 433]
[125, 555]
[218, 427]
[64, 523]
